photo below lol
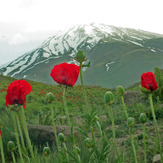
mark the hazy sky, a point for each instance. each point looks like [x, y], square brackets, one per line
[25, 24]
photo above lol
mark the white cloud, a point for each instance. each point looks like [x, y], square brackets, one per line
[45, 15]
[18, 39]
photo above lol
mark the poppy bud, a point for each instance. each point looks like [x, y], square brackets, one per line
[144, 90]
[88, 142]
[49, 97]
[78, 150]
[96, 118]
[143, 118]
[108, 98]
[46, 151]
[120, 90]
[11, 146]
[80, 56]
[130, 122]
[61, 137]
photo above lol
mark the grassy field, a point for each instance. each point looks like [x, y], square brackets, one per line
[38, 113]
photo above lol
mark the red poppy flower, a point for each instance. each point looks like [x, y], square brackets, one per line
[0, 133]
[66, 74]
[17, 91]
[148, 81]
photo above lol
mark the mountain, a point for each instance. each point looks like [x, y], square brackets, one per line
[118, 56]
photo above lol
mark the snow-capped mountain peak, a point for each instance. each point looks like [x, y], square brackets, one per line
[68, 42]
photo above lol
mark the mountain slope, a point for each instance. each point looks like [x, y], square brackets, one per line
[117, 55]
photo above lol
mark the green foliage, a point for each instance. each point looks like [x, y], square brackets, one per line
[159, 79]
[161, 93]
[157, 73]
[44, 118]
[158, 112]
[7, 132]
[90, 119]
[101, 153]
[38, 112]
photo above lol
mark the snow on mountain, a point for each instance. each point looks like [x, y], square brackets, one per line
[69, 41]
[107, 65]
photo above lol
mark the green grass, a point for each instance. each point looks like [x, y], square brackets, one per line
[37, 106]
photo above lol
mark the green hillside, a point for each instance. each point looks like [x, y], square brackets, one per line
[130, 61]
[39, 91]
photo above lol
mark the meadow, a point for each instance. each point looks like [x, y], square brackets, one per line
[89, 130]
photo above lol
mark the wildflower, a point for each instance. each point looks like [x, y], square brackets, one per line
[148, 81]
[17, 91]
[0, 133]
[66, 74]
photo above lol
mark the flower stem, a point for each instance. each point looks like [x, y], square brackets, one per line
[46, 161]
[156, 126]
[20, 131]
[70, 124]
[54, 128]
[64, 145]
[92, 133]
[2, 153]
[17, 137]
[13, 157]
[65, 105]
[113, 130]
[21, 134]
[99, 127]
[23, 120]
[145, 158]
[132, 142]
[124, 107]
[81, 79]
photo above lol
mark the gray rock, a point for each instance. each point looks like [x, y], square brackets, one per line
[41, 135]
[157, 158]
[132, 98]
